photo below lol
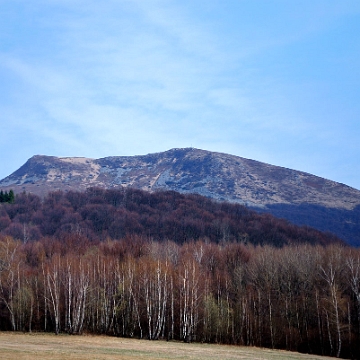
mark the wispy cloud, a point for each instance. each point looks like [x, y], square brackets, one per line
[133, 76]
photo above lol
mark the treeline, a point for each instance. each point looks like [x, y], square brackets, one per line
[7, 197]
[300, 297]
[102, 214]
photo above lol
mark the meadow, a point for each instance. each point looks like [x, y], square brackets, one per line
[43, 346]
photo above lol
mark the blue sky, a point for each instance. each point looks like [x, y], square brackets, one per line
[274, 81]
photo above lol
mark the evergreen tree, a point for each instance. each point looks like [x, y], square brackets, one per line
[11, 196]
[8, 197]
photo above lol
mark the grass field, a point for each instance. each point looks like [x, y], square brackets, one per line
[19, 346]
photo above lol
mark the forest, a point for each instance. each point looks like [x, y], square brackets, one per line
[249, 279]
[304, 297]
[99, 214]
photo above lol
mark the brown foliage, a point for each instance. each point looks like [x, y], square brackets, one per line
[99, 214]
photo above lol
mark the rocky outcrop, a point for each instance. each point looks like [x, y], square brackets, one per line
[216, 175]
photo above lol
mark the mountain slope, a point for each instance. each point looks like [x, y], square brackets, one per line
[216, 175]
[220, 176]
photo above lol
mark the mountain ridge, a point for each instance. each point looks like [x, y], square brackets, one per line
[216, 175]
[281, 191]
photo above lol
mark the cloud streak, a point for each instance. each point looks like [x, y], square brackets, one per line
[131, 77]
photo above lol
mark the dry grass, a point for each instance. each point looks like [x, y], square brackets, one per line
[18, 346]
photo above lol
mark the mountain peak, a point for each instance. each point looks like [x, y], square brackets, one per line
[186, 170]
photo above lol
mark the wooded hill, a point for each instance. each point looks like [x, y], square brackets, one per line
[98, 214]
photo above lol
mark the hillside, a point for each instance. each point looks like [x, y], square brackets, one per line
[303, 198]
[98, 214]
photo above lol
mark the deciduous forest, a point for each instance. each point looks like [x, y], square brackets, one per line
[100, 214]
[170, 266]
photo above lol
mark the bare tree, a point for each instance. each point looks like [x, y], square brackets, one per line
[77, 280]
[53, 281]
[9, 269]
[263, 274]
[190, 296]
[331, 271]
[353, 265]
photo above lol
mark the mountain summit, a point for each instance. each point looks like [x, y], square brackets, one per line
[301, 197]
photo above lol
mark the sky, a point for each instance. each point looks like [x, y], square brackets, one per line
[276, 81]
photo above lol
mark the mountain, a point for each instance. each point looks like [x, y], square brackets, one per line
[303, 198]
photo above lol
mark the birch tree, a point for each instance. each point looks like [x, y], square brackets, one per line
[9, 268]
[52, 274]
[190, 296]
[331, 271]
